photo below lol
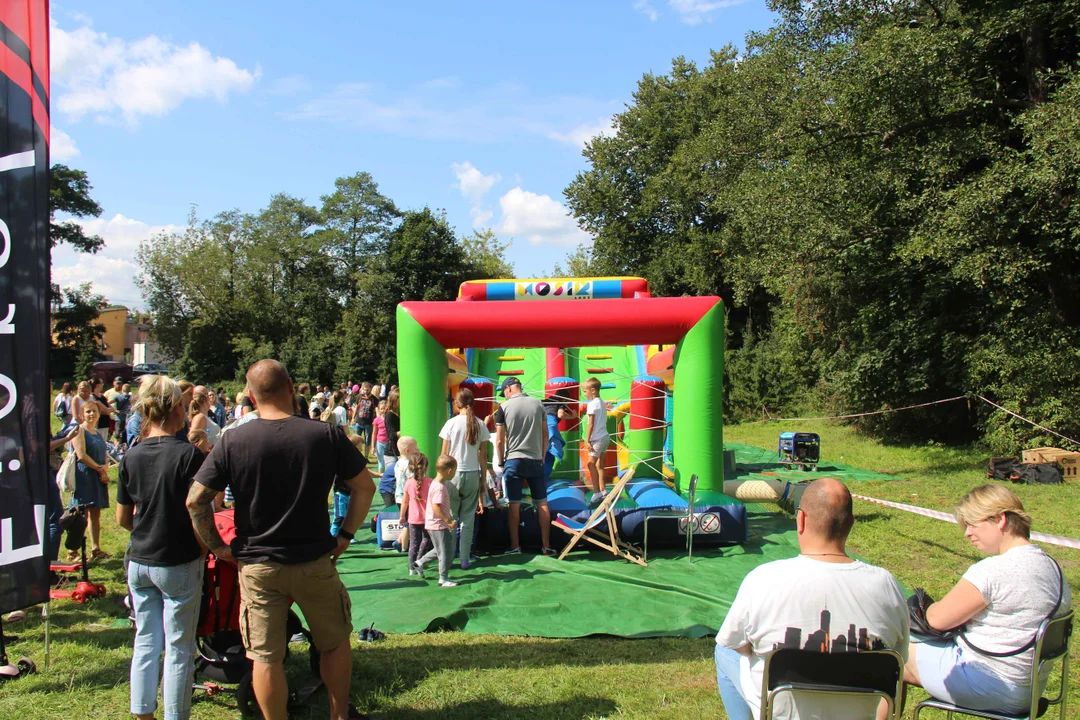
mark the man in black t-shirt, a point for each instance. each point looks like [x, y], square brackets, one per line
[281, 468]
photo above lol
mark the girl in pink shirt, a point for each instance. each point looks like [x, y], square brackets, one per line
[379, 437]
[439, 522]
[414, 507]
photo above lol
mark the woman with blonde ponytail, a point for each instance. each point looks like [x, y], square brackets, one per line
[165, 572]
[997, 606]
[465, 439]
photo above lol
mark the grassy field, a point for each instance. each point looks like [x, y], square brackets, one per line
[457, 675]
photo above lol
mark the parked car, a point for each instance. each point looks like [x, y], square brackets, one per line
[150, 369]
[106, 371]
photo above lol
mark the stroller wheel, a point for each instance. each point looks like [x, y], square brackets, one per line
[26, 666]
[245, 698]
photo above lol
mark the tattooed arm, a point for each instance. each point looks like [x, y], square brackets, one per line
[201, 509]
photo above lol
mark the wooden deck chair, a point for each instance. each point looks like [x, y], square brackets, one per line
[610, 540]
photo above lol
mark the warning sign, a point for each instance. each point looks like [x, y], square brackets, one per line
[702, 524]
[709, 523]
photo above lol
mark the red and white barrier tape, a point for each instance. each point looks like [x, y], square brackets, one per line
[937, 515]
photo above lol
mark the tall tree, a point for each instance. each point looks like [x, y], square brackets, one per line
[357, 219]
[69, 192]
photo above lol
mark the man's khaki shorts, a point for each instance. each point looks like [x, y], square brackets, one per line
[268, 589]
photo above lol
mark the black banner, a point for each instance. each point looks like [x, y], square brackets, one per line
[24, 311]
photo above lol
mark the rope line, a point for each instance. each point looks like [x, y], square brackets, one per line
[938, 515]
[857, 415]
[1030, 422]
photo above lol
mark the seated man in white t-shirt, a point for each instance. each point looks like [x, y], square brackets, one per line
[821, 600]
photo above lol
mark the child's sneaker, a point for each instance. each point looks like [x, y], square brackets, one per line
[447, 583]
[597, 498]
[548, 551]
[513, 551]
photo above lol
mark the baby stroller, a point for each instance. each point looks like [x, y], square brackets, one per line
[221, 656]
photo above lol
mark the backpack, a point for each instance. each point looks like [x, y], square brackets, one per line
[61, 410]
[1037, 474]
[999, 468]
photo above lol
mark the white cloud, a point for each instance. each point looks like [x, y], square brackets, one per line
[582, 134]
[111, 277]
[539, 219]
[105, 76]
[113, 270]
[428, 110]
[472, 183]
[646, 8]
[61, 146]
[693, 12]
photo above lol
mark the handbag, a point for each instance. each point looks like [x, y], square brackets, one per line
[919, 601]
[65, 476]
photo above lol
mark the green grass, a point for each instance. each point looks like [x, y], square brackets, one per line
[457, 675]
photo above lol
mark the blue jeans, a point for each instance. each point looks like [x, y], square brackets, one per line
[166, 604]
[727, 678]
[365, 431]
[341, 506]
[380, 453]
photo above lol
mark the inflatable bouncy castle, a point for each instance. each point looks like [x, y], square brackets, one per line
[659, 362]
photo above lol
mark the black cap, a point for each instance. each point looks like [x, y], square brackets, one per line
[118, 379]
[507, 383]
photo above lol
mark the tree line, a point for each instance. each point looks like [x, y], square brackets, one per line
[885, 194]
[314, 287]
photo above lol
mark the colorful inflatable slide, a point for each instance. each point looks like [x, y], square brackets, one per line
[660, 364]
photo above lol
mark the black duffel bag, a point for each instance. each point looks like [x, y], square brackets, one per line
[1037, 474]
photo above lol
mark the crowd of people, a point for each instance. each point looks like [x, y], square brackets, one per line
[281, 450]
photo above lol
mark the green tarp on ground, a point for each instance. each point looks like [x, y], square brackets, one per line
[590, 592]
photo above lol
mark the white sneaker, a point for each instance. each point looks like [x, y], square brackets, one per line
[447, 583]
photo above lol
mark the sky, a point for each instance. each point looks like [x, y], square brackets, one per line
[477, 108]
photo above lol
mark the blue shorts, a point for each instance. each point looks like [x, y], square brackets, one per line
[950, 673]
[522, 470]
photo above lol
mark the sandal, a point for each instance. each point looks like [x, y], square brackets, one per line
[99, 554]
[72, 556]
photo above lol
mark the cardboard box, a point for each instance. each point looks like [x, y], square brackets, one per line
[1068, 460]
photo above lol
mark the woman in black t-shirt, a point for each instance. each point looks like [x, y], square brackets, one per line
[166, 568]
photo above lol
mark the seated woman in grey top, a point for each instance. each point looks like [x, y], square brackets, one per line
[1000, 601]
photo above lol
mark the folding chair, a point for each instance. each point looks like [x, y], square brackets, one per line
[1051, 643]
[843, 675]
[610, 540]
[676, 515]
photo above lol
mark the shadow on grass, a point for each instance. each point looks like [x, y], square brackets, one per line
[415, 662]
[575, 707]
[389, 670]
[972, 558]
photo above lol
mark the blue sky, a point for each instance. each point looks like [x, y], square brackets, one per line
[479, 108]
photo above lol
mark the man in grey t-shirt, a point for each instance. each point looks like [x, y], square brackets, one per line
[521, 437]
